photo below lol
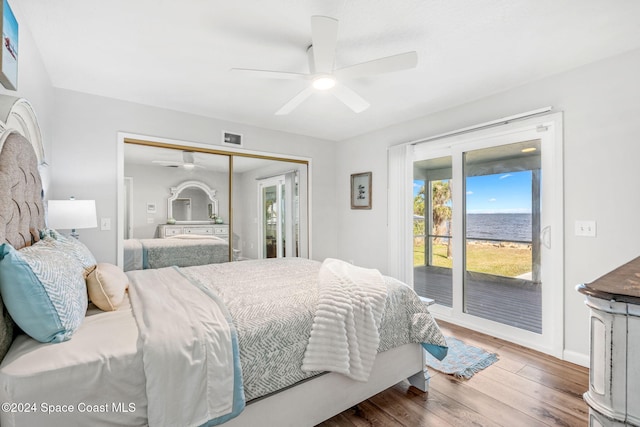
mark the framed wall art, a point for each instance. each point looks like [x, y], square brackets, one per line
[361, 190]
[9, 56]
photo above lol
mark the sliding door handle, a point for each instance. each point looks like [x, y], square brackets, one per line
[545, 237]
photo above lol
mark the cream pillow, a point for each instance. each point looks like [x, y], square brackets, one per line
[106, 284]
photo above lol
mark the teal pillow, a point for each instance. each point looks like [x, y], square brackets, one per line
[44, 291]
[69, 245]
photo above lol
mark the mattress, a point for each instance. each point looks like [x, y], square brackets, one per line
[98, 371]
[272, 304]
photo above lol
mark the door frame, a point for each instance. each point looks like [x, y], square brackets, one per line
[276, 181]
[547, 128]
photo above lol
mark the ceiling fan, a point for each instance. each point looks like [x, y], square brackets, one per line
[323, 76]
[188, 162]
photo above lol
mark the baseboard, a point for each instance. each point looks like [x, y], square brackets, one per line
[577, 358]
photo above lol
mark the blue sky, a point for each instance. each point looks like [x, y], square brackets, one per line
[499, 193]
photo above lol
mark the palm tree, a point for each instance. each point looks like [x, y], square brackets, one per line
[441, 198]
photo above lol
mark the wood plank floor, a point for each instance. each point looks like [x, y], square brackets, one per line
[524, 388]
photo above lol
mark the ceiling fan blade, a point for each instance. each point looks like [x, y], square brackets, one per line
[270, 74]
[295, 101]
[324, 35]
[350, 98]
[402, 61]
[166, 163]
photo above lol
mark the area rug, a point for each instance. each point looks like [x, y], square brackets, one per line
[462, 360]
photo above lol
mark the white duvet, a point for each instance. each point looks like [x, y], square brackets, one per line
[189, 350]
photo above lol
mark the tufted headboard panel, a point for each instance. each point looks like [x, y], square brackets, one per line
[21, 210]
[21, 198]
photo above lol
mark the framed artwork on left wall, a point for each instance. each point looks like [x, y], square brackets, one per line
[9, 56]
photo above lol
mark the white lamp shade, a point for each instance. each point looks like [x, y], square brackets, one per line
[72, 214]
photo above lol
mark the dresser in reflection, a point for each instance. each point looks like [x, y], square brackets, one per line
[218, 230]
[614, 376]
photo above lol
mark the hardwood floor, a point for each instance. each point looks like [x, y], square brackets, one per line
[524, 388]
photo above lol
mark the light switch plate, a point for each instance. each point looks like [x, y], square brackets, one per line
[105, 224]
[586, 228]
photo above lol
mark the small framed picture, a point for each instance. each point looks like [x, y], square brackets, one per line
[361, 190]
[234, 139]
[151, 208]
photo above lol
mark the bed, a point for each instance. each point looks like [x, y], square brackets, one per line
[182, 250]
[249, 328]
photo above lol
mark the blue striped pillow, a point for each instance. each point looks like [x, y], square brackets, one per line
[44, 291]
[69, 245]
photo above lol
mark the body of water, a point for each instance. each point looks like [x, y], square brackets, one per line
[499, 226]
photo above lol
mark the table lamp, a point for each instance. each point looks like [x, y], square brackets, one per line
[72, 214]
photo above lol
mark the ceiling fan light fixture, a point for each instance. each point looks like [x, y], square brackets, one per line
[321, 55]
[324, 82]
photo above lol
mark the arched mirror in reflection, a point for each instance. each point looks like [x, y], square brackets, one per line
[192, 202]
[268, 218]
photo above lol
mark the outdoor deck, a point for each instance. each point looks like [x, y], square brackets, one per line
[514, 302]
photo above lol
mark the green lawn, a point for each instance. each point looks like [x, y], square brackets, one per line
[483, 258]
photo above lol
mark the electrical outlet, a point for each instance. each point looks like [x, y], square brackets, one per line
[105, 224]
[585, 228]
[150, 220]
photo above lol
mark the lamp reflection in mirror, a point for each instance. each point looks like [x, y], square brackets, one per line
[71, 215]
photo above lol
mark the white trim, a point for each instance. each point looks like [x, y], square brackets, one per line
[130, 204]
[274, 181]
[120, 197]
[480, 126]
[577, 358]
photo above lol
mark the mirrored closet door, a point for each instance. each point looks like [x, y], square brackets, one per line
[270, 208]
[196, 196]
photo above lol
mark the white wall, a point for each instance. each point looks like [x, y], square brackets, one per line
[601, 104]
[85, 150]
[33, 81]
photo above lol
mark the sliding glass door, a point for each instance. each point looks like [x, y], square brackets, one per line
[502, 280]
[432, 242]
[485, 208]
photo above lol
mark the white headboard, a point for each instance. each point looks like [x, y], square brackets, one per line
[18, 114]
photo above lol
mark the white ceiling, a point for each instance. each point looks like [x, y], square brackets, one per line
[177, 54]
